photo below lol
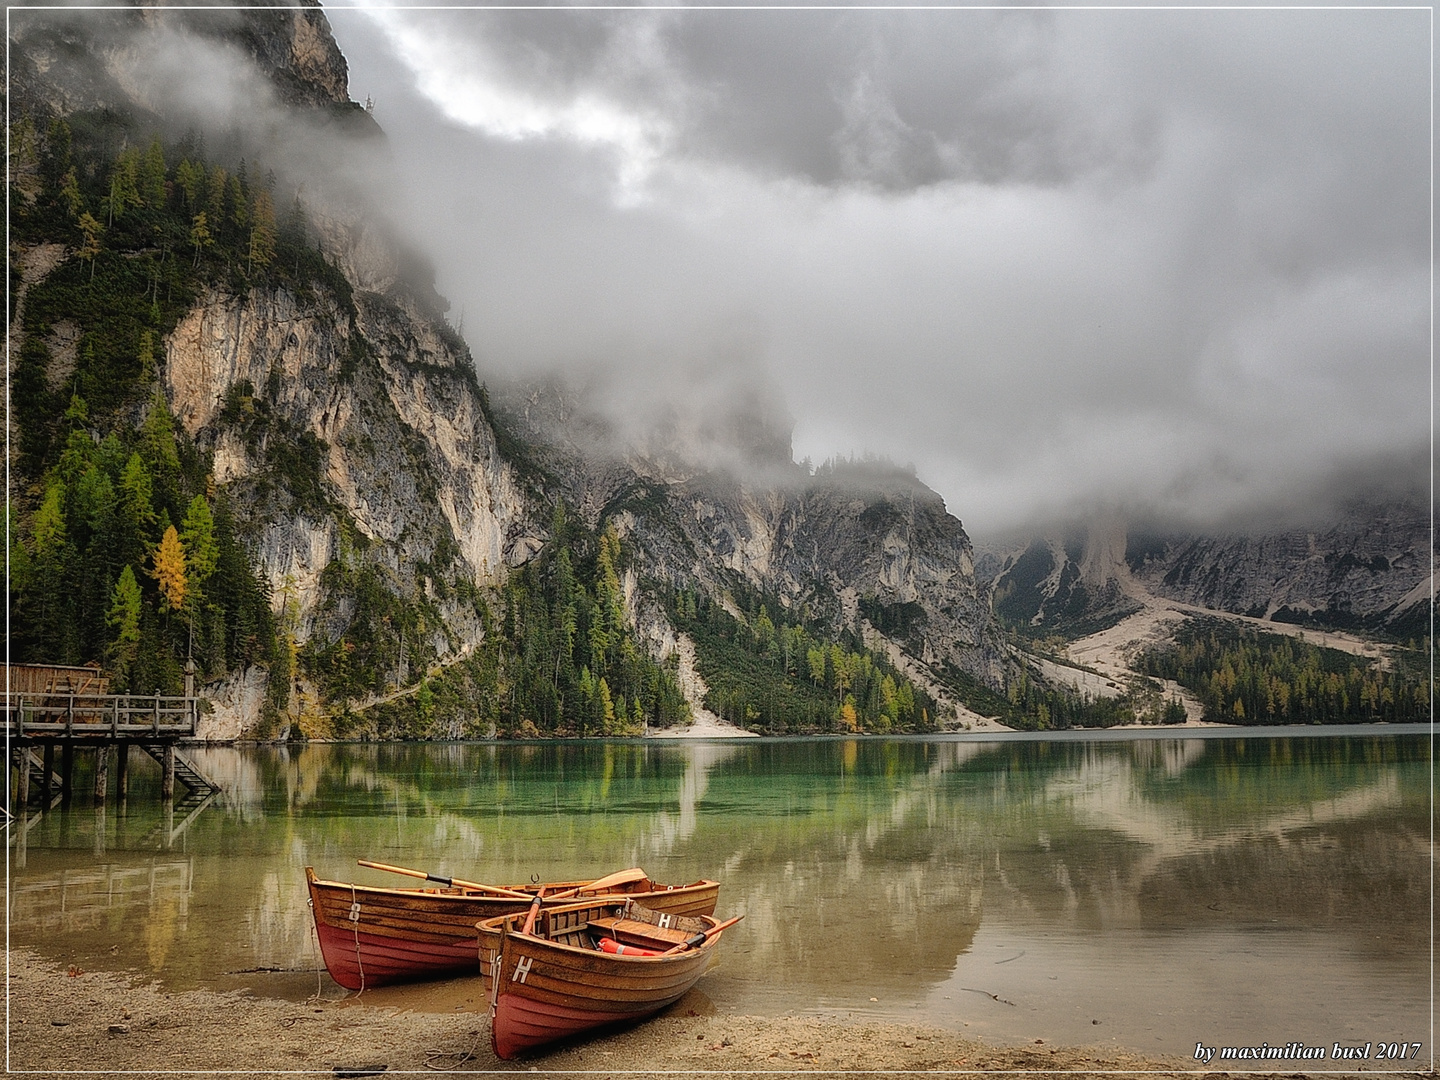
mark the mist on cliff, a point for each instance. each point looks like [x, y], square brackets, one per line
[1175, 261]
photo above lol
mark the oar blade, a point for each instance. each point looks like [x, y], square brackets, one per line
[611, 881]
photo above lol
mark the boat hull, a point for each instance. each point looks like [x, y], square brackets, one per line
[405, 935]
[544, 990]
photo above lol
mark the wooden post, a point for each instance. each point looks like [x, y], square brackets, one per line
[167, 783]
[22, 826]
[191, 716]
[67, 771]
[22, 787]
[46, 780]
[122, 771]
[102, 772]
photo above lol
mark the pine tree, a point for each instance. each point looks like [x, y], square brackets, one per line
[124, 184]
[92, 230]
[124, 617]
[189, 178]
[200, 237]
[70, 194]
[152, 176]
[55, 157]
[262, 230]
[170, 568]
[215, 189]
[197, 534]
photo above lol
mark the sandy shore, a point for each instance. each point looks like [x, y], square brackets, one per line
[113, 1022]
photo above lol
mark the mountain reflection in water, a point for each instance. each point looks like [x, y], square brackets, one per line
[1024, 887]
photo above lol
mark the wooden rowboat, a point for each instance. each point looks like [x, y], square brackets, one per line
[372, 936]
[557, 981]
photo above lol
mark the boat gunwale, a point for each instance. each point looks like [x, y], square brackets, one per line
[482, 928]
[457, 893]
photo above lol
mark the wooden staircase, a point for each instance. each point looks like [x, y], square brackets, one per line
[37, 774]
[186, 771]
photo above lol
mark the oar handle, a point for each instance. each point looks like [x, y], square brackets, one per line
[453, 882]
[696, 940]
[531, 915]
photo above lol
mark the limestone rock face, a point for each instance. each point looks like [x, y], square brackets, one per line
[91, 59]
[859, 543]
[1368, 568]
[1073, 581]
[405, 454]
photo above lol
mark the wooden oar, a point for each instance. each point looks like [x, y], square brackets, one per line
[620, 877]
[456, 882]
[700, 939]
[534, 911]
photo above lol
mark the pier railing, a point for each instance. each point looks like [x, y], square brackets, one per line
[99, 716]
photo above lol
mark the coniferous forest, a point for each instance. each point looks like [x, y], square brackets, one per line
[1246, 676]
[123, 551]
[777, 675]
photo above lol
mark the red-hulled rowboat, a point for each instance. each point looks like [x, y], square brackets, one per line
[373, 936]
[559, 980]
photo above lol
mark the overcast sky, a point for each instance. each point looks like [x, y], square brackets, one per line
[1175, 260]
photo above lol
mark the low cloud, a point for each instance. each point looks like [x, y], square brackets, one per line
[1170, 260]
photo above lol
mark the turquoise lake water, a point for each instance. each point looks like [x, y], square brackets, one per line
[1132, 889]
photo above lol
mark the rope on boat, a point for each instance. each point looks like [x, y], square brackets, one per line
[460, 1059]
[314, 948]
[355, 925]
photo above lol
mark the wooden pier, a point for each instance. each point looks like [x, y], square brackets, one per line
[49, 709]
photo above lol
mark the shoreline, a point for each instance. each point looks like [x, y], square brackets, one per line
[1189, 730]
[115, 1021]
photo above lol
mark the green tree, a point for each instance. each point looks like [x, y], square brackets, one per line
[200, 237]
[262, 230]
[152, 176]
[92, 231]
[124, 184]
[124, 618]
[190, 179]
[70, 195]
[197, 534]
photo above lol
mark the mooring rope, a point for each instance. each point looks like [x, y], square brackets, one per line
[314, 947]
[355, 925]
[460, 1058]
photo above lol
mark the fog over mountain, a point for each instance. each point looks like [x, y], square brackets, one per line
[1171, 261]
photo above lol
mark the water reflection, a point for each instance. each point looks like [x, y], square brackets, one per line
[908, 871]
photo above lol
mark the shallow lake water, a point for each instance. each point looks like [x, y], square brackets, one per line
[1142, 890]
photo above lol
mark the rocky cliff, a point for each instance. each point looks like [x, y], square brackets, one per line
[862, 545]
[1367, 567]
